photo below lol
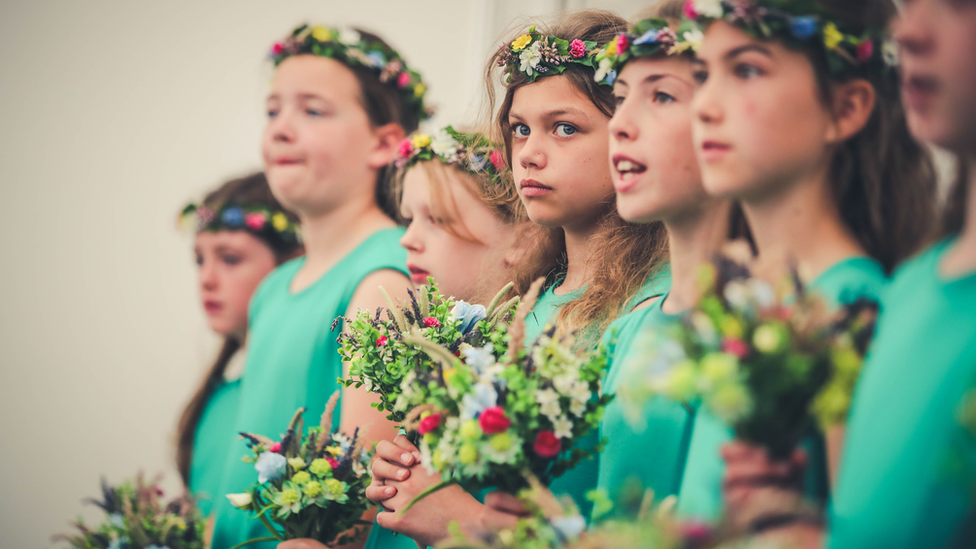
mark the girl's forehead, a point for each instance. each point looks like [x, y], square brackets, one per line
[721, 39]
[313, 75]
[552, 96]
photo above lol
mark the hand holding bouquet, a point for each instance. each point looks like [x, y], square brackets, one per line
[378, 357]
[137, 520]
[311, 486]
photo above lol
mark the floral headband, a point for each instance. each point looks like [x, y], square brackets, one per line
[534, 54]
[349, 47]
[472, 152]
[799, 22]
[255, 218]
[649, 37]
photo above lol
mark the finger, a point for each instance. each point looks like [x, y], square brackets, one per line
[394, 452]
[388, 520]
[505, 503]
[735, 450]
[380, 493]
[384, 470]
[495, 520]
[403, 442]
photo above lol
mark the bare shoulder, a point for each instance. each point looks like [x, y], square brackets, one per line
[368, 295]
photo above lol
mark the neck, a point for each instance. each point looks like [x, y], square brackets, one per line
[693, 239]
[801, 225]
[961, 259]
[579, 250]
[332, 235]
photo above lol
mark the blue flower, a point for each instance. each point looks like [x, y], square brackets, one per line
[376, 58]
[116, 520]
[468, 314]
[233, 217]
[479, 358]
[270, 466]
[803, 27]
[120, 543]
[647, 37]
[477, 163]
[611, 78]
[484, 397]
[569, 527]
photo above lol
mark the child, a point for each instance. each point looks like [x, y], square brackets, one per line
[657, 180]
[237, 245]
[897, 488]
[341, 102]
[798, 117]
[553, 121]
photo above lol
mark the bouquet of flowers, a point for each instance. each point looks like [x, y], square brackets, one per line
[379, 358]
[311, 486]
[136, 519]
[767, 365]
[489, 415]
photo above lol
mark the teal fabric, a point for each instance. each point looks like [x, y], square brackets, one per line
[214, 437]
[701, 487]
[293, 361]
[897, 487]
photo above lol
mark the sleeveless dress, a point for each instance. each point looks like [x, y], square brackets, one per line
[293, 361]
[215, 435]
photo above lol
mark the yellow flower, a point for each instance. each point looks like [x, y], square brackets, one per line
[832, 36]
[419, 90]
[420, 141]
[301, 477]
[519, 43]
[437, 459]
[468, 454]
[731, 327]
[611, 48]
[321, 34]
[334, 450]
[730, 402]
[289, 496]
[279, 221]
[297, 463]
[718, 369]
[470, 430]
[313, 489]
[449, 373]
[501, 442]
[680, 381]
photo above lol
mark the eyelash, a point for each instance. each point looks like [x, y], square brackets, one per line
[746, 71]
[700, 77]
[565, 125]
[659, 95]
[231, 259]
[516, 127]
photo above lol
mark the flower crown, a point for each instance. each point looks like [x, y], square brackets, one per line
[472, 152]
[534, 54]
[254, 218]
[348, 46]
[649, 37]
[799, 22]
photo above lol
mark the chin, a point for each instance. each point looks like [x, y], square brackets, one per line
[721, 184]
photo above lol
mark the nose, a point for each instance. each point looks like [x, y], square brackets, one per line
[531, 155]
[705, 105]
[207, 274]
[281, 128]
[913, 29]
[622, 126]
[411, 240]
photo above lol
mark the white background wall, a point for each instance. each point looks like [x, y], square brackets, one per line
[113, 114]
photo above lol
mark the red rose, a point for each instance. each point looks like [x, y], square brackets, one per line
[332, 462]
[381, 341]
[735, 347]
[429, 423]
[864, 50]
[277, 48]
[405, 149]
[276, 448]
[432, 322]
[547, 444]
[493, 420]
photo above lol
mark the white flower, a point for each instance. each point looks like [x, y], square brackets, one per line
[578, 408]
[762, 292]
[445, 146]
[502, 448]
[562, 427]
[349, 37]
[737, 294]
[426, 458]
[546, 396]
[479, 358]
[530, 58]
[565, 383]
[606, 65]
[569, 526]
[694, 37]
[708, 8]
[706, 330]
[241, 501]
[889, 52]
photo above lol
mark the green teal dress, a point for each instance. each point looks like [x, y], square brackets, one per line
[293, 361]
[661, 430]
[700, 496]
[214, 436]
[897, 487]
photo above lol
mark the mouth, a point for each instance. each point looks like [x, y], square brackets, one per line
[532, 188]
[919, 90]
[212, 307]
[713, 150]
[287, 161]
[628, 171]
[418, 274]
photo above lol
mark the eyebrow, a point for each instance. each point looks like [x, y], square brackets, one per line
[747, 48]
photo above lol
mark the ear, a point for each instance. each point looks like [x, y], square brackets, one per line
[853, 103]
[388, 138]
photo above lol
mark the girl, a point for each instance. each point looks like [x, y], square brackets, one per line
[895, 490]
[237, 245]
[339, 105]
[553, 120]
[798, 117]
[657, 179]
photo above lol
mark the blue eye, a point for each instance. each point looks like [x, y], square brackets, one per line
[747, 72]
[618, 99]
[661, 97]
[567, 130]
[231, 259]
[313, 112]
[520, 130]
[272, 113]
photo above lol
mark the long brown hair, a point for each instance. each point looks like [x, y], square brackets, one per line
[250, 189]
[625, 255]
[884, 181]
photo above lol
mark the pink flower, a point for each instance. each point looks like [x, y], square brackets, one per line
[736, 347]
[622, 44]
[577, 48]
[547, 444]
[255, 220]
[497, 160]
[406, 149]
[864, 50]
[332, 462]
[381, 341]
[403, 79]
[689, 9]
[277, 48]
[493, 420]
[432, 322]
[696, 532]
[276, 448]
[429, 423]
